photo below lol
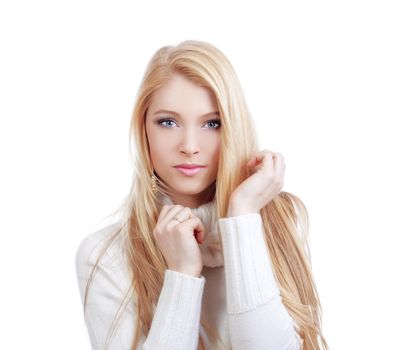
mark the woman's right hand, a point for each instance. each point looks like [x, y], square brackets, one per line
[178, 240]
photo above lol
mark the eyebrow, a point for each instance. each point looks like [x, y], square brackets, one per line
[173, 112]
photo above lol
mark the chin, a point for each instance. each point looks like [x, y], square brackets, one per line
[190, 187]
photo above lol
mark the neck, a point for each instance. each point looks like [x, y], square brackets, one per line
[195, 200]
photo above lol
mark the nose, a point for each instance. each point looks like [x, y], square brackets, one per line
[189, 142]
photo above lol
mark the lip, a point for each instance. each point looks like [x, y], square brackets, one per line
[189, 171]
[189, 166]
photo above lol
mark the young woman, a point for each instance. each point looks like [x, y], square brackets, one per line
[209, 253]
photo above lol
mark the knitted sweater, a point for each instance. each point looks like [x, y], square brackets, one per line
[239, 297]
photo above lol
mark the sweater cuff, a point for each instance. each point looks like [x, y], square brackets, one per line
[249, 277]
[176, 319]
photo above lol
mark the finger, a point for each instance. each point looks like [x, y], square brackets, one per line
[265, 160]
[251, 161]
[201, 235]
[279, 164]
[268, 161]
[256, 158]
[164, 210]
[177, 211]
[196, 226]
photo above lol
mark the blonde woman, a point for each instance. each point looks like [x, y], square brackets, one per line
[209, 252]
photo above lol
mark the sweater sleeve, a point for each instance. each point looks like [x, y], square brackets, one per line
[175, 323]
[257, 317]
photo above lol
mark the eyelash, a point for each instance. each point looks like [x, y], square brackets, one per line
[218, 121]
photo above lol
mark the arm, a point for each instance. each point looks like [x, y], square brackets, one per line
[257, 317]
[175, 324]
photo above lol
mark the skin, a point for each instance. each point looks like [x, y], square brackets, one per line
[262, 186]
[189, 138]
[192, 137]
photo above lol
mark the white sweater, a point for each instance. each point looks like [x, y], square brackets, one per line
[240, 299]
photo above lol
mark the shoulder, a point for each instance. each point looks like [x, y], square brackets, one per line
[100, 257]
[105, 286]
[103, 247]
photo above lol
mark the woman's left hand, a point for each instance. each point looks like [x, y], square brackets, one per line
[262, 186]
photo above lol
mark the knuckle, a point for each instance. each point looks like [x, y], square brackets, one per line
[156, 232]
[169, 224]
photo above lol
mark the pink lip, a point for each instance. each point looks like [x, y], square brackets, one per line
[188, 166]
[189, 171]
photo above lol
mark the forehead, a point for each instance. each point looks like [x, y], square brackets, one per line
[183, 96]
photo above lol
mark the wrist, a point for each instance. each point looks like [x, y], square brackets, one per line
[236, 208]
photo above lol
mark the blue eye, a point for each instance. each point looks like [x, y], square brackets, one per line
[164, 120]
[217, 121]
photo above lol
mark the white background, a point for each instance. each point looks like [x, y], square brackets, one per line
[327, 84]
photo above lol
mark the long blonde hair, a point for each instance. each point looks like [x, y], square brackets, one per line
[285, 218]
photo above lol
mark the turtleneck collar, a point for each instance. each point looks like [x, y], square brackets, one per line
[211, 249]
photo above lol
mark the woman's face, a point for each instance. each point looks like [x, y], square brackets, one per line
[183, 126]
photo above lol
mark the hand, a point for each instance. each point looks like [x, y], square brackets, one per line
[178, 240]
[262, 186]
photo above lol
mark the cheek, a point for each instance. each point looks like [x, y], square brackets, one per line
[154, 146]
[161, 137]
[216, 147]
[157, 153]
